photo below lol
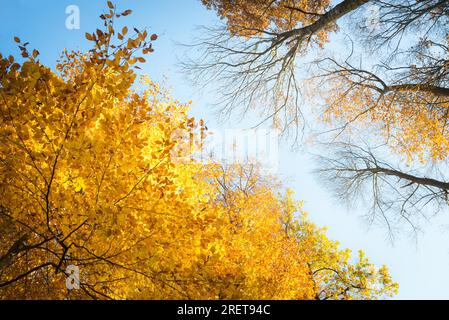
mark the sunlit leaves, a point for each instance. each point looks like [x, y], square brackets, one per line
[90, 176]
[250, 18]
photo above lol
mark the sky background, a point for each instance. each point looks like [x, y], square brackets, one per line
[419, 264]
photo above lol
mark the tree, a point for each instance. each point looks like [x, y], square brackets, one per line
[395, 195]
[254, 55]
[392, 80]
[403, 102]
[100, 175]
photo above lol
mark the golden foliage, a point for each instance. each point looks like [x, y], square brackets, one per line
[411, 118]
[250, 18]
[90, 176]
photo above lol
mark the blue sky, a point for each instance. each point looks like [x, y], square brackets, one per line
[417, 264]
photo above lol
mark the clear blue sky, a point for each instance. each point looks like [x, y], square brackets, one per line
[419, 266]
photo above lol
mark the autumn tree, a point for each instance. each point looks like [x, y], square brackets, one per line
[103, 172]
[390, 78]
[254, 55]
[403, 101]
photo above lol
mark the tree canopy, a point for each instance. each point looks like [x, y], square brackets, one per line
[93, 175]
[373, 69]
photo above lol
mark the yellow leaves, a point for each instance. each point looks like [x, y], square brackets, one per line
[142, 35]
[97, 156]
[412, 128]
[247, 17]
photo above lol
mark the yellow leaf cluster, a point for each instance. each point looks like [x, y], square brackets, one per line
[88, 178]
[251, 17]
[413, 121]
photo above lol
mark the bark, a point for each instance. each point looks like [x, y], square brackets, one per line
[436, 90]
[15, 248]
[329, 17]
[411, 178]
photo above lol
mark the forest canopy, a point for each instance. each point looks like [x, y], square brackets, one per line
[367, 80]
[92, 179]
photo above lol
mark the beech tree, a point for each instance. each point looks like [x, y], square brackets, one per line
[391, 79]
[94, 177]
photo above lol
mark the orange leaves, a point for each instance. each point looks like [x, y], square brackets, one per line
[147, 50]
[90, 37]
[248, 17]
